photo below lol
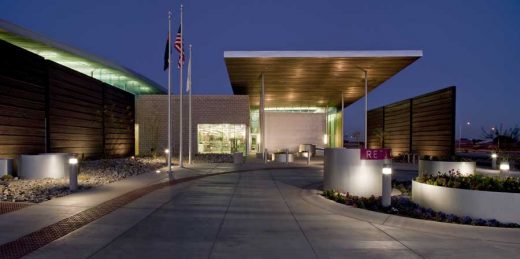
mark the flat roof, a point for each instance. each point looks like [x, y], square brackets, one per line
[88, 64]
[312, 78]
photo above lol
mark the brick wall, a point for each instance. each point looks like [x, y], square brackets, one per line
[152, 117]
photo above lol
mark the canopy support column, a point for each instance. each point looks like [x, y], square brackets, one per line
[366, 108]
[262, 117]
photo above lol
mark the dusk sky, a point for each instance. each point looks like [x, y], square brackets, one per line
[474, 45]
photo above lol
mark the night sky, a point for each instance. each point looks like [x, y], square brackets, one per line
[474, 45]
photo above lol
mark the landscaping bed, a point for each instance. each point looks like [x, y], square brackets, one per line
[91, 173]
[402, 205]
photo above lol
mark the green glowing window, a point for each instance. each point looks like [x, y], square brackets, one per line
[221, 138]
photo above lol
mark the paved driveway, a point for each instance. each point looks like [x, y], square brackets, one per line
[259, 214]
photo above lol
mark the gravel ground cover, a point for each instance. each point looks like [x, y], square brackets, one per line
[92, 173]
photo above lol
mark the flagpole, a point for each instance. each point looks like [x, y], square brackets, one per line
[180, 94]
[189, 120]
[169, 95]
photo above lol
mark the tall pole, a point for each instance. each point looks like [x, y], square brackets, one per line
[189, 121]
[342, 120]
[366, 108]
[169, 94]
[180, 94]
[262, 120]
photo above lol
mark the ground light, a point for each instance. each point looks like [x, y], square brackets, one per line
[73, 173]
[494, 157]
[504, 167]
[387, 185]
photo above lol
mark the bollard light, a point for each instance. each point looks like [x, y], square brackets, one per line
[73, 161]
[166, 151]
[73, 173]
[494, 157]
[387, 169]
[386, 195]
[158, 171]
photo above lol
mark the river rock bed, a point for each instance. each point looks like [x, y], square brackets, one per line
[92, 173]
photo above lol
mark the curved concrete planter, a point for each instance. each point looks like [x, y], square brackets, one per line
[6, 166]
[49, 165]
[283, 158]
[502, 206]
[427, 167]
[344, 171]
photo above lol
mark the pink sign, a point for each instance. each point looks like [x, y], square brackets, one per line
[375, 154]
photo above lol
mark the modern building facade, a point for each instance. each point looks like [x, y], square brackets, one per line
[55, 98]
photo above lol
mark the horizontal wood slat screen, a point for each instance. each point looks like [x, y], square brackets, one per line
[424, 125]
[84, 116]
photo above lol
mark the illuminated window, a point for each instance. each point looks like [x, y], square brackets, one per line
[221, 138]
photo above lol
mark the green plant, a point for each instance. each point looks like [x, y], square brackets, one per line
[472, 182]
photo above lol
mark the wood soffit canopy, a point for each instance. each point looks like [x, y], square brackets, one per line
[312, 78]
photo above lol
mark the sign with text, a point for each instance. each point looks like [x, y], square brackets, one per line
[375, 154]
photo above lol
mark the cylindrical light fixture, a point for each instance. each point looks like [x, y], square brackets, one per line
[386, 197]
[494, 157]
[73, 174]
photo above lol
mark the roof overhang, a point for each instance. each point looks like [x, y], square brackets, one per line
[103, 70]
[312, 78]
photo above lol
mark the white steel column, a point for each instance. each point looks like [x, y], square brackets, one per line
[366, 108]
[342, 120]
[180, 94]
[169, 95]
[262, 117]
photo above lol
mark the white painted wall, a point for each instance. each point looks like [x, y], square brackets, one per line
[427, 167]
[502, 206]
[344, 171]
[289, 130]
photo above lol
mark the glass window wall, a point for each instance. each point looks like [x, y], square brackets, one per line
[221, 138]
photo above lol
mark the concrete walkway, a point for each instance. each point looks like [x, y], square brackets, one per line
[268, 214]
[263, 211]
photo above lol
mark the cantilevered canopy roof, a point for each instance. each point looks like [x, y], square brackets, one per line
[312, 78]
[75, 59]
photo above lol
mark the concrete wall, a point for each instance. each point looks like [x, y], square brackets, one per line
[290, 129]
[152, 117]
[502, 206]
[344, 171]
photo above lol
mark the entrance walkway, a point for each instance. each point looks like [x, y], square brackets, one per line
[266, 213]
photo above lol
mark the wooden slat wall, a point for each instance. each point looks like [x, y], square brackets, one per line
[433, 123]
[424, 124]
[397, 127]
[119, 110]
[75, 112]
[84, 116]
[376, 121]
[23, 81]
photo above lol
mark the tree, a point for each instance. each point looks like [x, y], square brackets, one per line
[502, 137]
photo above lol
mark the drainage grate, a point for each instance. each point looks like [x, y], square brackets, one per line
[6, 207]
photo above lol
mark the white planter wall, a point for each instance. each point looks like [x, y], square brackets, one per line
[6, 166]
[282, 158]
[51, 165]
[427, 167]
[344, 171]
[504, 207]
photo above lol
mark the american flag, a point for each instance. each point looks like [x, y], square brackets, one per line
[177, 45]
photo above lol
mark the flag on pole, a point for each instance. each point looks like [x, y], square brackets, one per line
[188, 81]
[177, 46]
[166, 54]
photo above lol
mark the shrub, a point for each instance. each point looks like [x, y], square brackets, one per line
[473, 182]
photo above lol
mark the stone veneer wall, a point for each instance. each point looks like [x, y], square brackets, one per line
[151, 116]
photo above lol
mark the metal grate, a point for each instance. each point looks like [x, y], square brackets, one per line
[6, 207]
